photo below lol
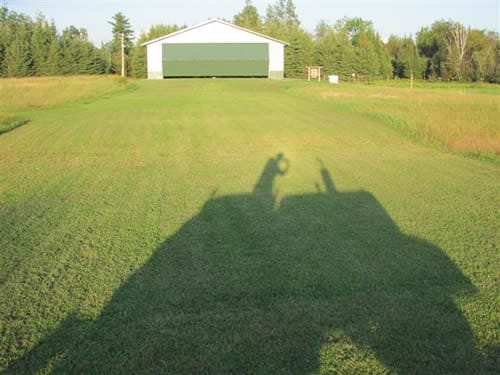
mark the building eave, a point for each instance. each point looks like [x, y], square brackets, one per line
[167, 36]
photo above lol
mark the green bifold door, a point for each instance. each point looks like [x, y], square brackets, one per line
[216, 60]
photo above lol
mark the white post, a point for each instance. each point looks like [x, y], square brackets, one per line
[123, 56]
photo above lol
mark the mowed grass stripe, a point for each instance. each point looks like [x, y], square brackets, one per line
[136, 239]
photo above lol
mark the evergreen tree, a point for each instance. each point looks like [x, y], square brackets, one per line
[78, 55]
[369, 59]
[106, 56]
[70, 51]
[33, 47]
[18, 60]
[351, 46]
[364, 63]
[40, 40]
[120, 25]
[138, 67]
[344, 58]
[138, 53]
[295, 66]
[325, 52]
[3, 39]
[333, 51]
[53, 62]
[92, 62]
[2, 59]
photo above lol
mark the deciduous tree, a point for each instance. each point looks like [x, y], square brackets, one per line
[249, 17]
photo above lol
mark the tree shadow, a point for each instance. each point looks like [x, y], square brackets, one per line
[250, 286]
[11, 123]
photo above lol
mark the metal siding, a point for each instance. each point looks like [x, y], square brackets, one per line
[215, 59]
[276, 74]
[154, 63]
[215, 32]
[276, 56]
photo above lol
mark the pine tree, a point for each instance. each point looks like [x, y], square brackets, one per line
[70, 54]
[53, 62]
[294, 60]
[91, 60]
[40, 41]
[2, 59]
[79, 56]
[3, 39]
[138, 62]
[325, 56]
[106, 57]
[18, 61]
[120, 25]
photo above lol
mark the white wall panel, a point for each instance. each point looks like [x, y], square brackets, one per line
[276, 57]
[155, 64]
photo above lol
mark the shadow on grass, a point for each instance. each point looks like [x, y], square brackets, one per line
[252, 286]
[12, 123]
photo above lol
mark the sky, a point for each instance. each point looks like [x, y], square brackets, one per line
[403, 17]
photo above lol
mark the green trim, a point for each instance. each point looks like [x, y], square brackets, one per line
[276, 74]
[215, 59]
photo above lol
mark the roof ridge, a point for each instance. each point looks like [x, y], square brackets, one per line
[186, 29]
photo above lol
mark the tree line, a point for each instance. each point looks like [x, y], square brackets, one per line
[350, 47]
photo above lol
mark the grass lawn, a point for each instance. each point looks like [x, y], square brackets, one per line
[243, 226]
[21, 95]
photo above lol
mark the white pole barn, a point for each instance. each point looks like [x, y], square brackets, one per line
[215, 48]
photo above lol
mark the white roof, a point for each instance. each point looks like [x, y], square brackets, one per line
[209, 22]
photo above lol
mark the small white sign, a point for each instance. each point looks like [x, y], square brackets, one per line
[334, 79]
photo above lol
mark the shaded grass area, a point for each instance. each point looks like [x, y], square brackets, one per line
[454, 117]
[243, 287]
[159, 231]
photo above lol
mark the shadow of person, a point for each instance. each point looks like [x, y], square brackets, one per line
[246, 287]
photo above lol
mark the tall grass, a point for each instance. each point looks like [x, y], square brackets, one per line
[18, 96]
[459, 118]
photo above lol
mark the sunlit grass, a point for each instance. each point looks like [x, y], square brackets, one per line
[21, 95]
[461, 118]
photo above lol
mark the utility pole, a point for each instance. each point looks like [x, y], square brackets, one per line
[123, 55]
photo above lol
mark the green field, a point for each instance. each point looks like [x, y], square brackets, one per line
[247, 226]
